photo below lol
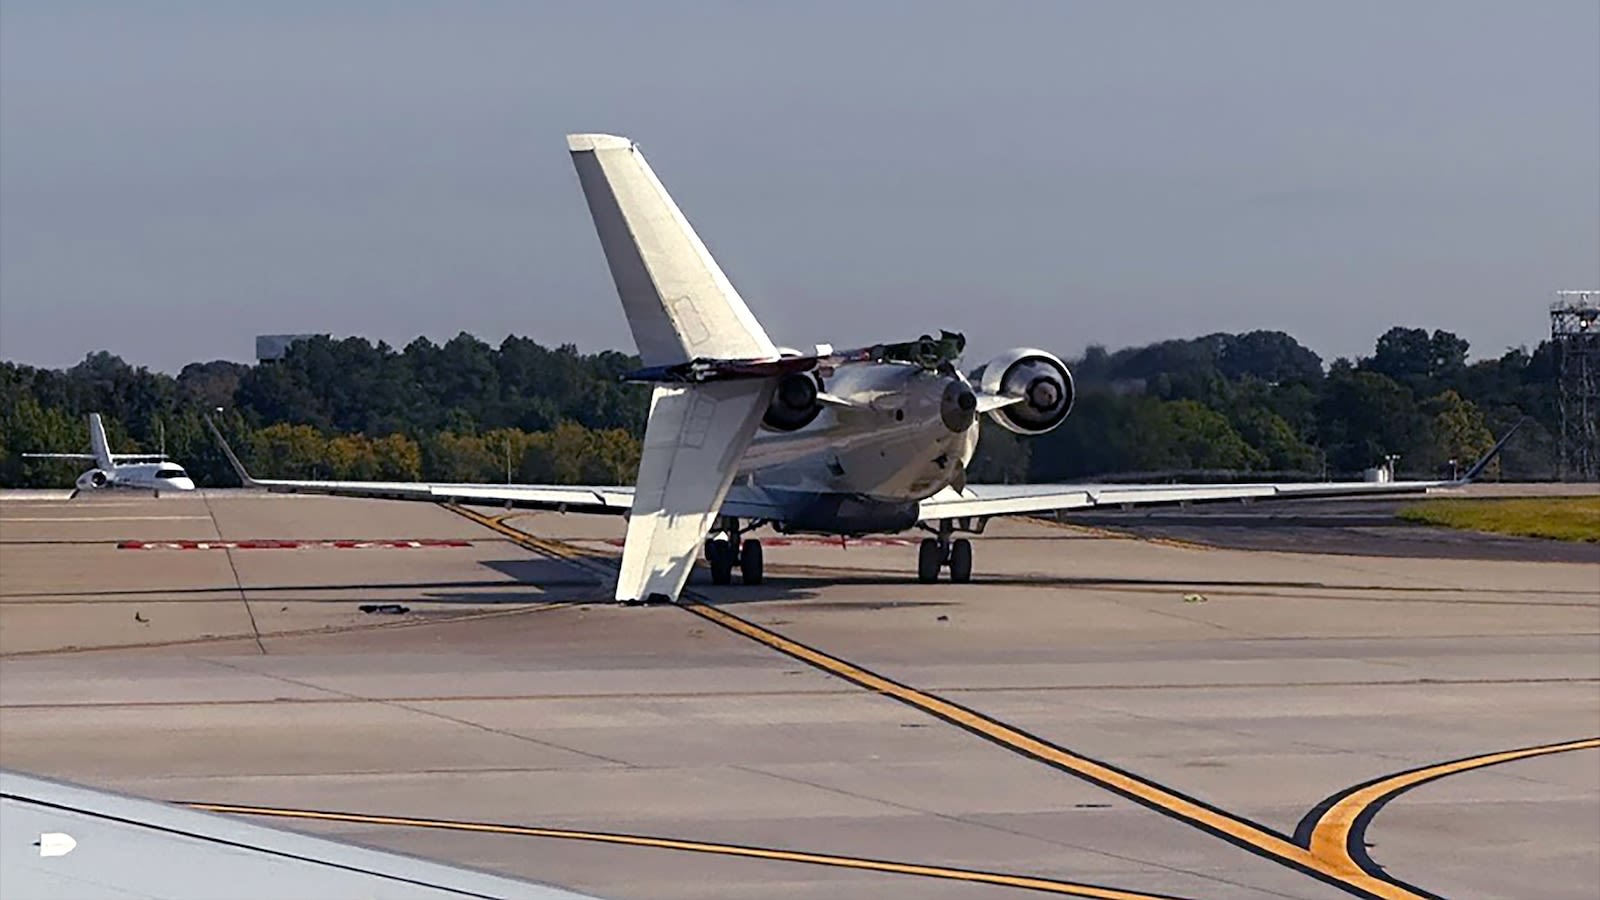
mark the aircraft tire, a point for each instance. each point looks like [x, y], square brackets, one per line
[929, 560]
[719, 554]
[961, 561]
[750, 562]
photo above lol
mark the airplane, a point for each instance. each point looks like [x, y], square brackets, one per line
[135, 471]
[743, 433]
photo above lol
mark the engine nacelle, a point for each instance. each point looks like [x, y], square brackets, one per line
[794, 403]
[93, 479]
[1042, 381]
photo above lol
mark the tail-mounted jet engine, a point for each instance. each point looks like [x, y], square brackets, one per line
[794, 403]
[93, 479]
[1042, 381]
[958, 407]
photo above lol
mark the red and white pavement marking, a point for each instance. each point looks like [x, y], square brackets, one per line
[820, 541]
[427, 543]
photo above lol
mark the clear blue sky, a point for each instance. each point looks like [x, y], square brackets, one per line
[178, 177]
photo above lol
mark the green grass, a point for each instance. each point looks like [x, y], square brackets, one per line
[1558, 518]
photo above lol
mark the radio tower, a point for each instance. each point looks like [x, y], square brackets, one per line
[1575, 335]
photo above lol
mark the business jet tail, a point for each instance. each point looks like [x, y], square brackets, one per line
[681, 308]
[98, 443]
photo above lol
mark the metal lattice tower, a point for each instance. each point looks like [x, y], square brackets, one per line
[1575, 334]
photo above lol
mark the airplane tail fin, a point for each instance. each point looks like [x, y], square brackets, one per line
[679, 303]
[233, 458]
[97, 442]
[1472, 474]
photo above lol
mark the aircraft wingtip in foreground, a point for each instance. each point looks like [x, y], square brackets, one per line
[125, 471]
[742, 433]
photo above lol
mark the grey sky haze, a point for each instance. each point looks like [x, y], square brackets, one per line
[178, 177]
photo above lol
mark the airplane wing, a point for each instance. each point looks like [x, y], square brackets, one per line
[983, 500]
[88, 456]
[741, 501]
[67, 841]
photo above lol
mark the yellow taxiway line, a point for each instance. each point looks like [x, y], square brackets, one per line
[1336, 836]
[1238, 831]
[1047, 885]
[1308, 854]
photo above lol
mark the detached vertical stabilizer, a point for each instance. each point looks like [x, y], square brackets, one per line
[679, 303]
[692, 445]
[680, 307]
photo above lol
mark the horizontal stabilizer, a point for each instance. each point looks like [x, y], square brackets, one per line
[702, 370]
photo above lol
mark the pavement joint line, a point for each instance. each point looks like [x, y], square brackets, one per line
[233, 566]
[665, 696]
[975, 876]
[299, 632]
[1306, 856]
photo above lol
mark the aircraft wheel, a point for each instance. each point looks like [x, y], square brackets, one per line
[720, 556]
[961, 561]
[929, 558]
[750, 562]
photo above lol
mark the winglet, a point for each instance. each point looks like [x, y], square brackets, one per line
[233, 459]
[1472, 474]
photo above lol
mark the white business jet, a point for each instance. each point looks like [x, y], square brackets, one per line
[743, 433]
[132, 471]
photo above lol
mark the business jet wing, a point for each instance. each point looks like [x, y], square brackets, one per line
[984, 500]
[90, 457]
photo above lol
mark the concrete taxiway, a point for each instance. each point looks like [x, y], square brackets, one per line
[1097, 715]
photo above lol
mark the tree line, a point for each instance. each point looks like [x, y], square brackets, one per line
[1217, 406]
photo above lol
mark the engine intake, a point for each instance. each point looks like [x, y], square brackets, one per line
[794, 403]
[1042, 381]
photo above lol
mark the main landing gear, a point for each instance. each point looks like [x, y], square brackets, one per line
[724, 550]
[946, 550]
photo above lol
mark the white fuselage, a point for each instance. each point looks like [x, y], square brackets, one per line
[155, 477]
[890, 442]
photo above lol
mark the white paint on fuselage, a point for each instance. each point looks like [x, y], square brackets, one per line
[890, 443]
[154, 477]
